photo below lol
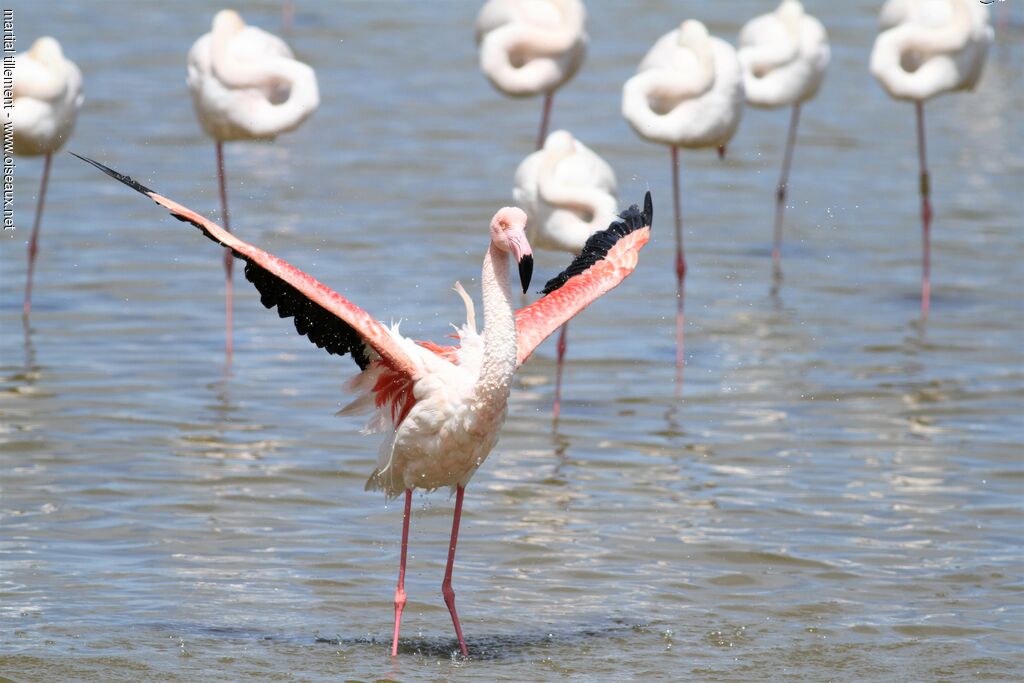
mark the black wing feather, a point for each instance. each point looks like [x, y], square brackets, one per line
[321, 327]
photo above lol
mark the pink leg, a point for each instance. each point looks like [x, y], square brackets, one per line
[33, 242]
[229, 260]
[545, 117]
[680, 271]
[287, 15]
[400, 597]
[780, 193]
[446, 586]
[926, 216]
[562, 346]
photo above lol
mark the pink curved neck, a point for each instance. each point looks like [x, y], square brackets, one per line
[499, 362]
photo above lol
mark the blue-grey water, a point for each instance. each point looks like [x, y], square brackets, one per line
[837, 495]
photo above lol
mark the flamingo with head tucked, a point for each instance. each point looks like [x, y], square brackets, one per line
[47, 94]
[688, 92]
[441, 407]
[783, 55]
[568, 193]
[531, 47]
[929, 47]
[246, 85]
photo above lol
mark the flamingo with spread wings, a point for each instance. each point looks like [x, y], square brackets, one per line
[441, 407]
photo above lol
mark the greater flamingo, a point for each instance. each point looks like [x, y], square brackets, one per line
[531, 47]
[568, 193]
[783, 55]
[929, 47]
[688, 92]
[440, 406]
[47, 94]
[246, 85]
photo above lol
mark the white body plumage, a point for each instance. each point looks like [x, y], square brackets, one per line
[568, 193]
[246, 84]
[688, 90]
[531, 47]
[784, 55]
[930, 47]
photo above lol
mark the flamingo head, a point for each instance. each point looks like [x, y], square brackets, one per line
[46, 51]
[508, 233]
[560, 145]
[691, 33]
[790, 13]
[227, 22]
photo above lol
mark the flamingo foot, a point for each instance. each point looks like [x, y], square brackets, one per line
[449, 599]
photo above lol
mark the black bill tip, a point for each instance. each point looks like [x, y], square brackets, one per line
[648, 209]
[137, 186]
[526, 271]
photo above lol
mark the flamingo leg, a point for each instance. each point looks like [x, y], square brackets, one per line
[400, 597]
[544, 119]
[926, 215]
[680, 270]
[562, 346]
[287, 15]
[229, 261]
[446, 586]
[33, 242]
[780, 192]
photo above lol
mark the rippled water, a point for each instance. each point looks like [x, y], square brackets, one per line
[836, 497]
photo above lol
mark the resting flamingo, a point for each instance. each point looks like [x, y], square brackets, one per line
[783, 55]
[568, 193]
[246, 85]
[531, 47]
[688, 92]
[929, 47]
[47, 94]
[441, 407]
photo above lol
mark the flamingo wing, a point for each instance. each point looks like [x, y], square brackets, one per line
[608, 257]
[328, 319]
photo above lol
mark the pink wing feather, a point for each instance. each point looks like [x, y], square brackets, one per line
[327, 318]
[607, 259]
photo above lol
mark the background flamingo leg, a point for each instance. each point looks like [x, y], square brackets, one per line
[400, 596]
[545, 118]
[229, 261]
[926, 215]
[33, 243]
[680, 271]
[562, 346]
[446, 586]
[780, 192]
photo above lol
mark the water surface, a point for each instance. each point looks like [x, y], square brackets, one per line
[837, 496]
